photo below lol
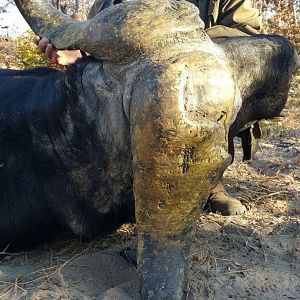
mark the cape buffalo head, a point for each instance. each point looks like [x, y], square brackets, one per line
[177, 94]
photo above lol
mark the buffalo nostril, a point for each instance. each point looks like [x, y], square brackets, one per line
[162, 204]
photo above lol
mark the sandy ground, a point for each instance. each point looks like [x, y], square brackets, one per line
[253, 256]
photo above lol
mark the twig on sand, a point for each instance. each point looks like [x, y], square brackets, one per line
[234, 272]
[270, 195]
[19, 283]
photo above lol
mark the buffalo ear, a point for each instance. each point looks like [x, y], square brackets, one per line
[260, 54]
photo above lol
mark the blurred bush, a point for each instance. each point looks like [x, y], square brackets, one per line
[282, 17]
[28, 53]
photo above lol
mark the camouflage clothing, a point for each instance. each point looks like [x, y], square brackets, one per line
[222, 18]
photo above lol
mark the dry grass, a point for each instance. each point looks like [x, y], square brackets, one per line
[256, 255]
[56, 257]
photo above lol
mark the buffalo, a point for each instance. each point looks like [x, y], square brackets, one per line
[139, 129]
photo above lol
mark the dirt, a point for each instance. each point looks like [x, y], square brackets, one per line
[252, 256]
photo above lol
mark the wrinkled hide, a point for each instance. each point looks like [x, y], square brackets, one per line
[144, 126]
[56, 172]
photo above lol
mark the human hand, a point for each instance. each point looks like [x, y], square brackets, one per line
[61, 57]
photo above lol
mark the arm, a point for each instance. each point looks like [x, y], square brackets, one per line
[101, 5]
[94, 9]
[236, 18]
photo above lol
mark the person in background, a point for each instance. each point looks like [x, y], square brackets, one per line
[222, 18]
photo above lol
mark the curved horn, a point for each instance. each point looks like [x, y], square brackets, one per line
[66, 33]
[118, 31]
[47, 21]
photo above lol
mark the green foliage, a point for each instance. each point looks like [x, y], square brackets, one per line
[28, 53]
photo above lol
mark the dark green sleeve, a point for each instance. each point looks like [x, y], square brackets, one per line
[94, 9]
[237, 17]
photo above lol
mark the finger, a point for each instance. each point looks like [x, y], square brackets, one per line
[54, 59]
[43, 44]
[50, 50]
[36, 39]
